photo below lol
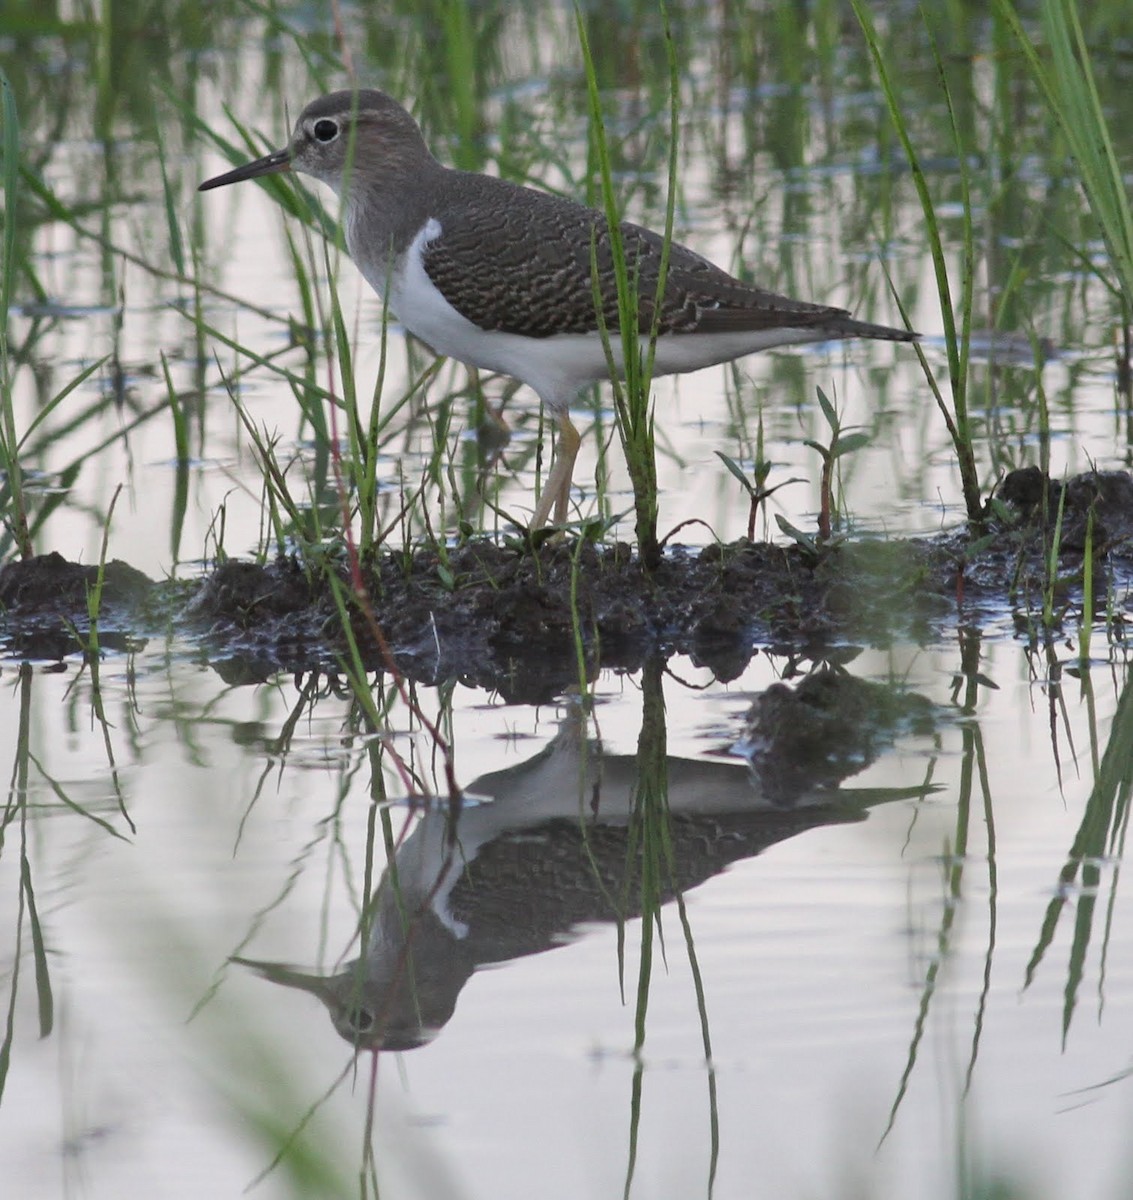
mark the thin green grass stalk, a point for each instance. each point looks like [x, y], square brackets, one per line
[1090, 701]
[350, 481]
[177, 412]
[304, 283]
[94, 593]
[956, 343]
[352, 663]
[1050, 583]
[992, 904]
[80, 419]
[1044, 430]
[705, 1032]
[576, 623]
[1085, 629]
[461, 80]
[177, 409]
[45, 1000]
[356, 477]
[216, 530]
[660, 780]
[307, 395]
[369, 533]
[274, 477]
[268, 361]
[9, 179]
[633, 403]
[346, 474]
[354, 668]
[439, 424]
[173, 224]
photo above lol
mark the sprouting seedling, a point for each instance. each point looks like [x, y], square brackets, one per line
[841, 443]
[755, 485]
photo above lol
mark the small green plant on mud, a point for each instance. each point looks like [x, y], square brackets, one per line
[841, 443]
[755, 485]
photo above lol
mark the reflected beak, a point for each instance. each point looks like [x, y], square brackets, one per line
[316, 985]
[270, 164]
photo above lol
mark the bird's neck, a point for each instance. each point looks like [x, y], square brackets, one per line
[382, 211]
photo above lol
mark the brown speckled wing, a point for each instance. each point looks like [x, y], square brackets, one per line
[520, 261]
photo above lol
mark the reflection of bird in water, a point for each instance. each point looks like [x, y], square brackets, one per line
[554, 844]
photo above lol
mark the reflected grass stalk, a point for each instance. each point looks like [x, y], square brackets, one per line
[355, 669]
[16, 809]
[973, 767]
[1100, 838]
[93, 655]
[649, 844]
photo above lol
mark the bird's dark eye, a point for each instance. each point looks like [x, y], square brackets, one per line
[325, 131]
[361, 1019]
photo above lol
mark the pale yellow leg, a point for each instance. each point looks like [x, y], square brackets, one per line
[556, 492]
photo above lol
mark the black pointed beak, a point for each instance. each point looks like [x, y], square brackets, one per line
[270, 164]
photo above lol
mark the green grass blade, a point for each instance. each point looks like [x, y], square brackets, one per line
[1070, 88]
[956, 339]
[10, 149]
[176, 241]
[9, 442]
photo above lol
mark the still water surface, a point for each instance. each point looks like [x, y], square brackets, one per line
[837, 962]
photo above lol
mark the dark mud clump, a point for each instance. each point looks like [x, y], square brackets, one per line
[45, 600]
[518, 619]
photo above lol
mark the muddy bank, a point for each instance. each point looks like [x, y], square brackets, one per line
[510, 619]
